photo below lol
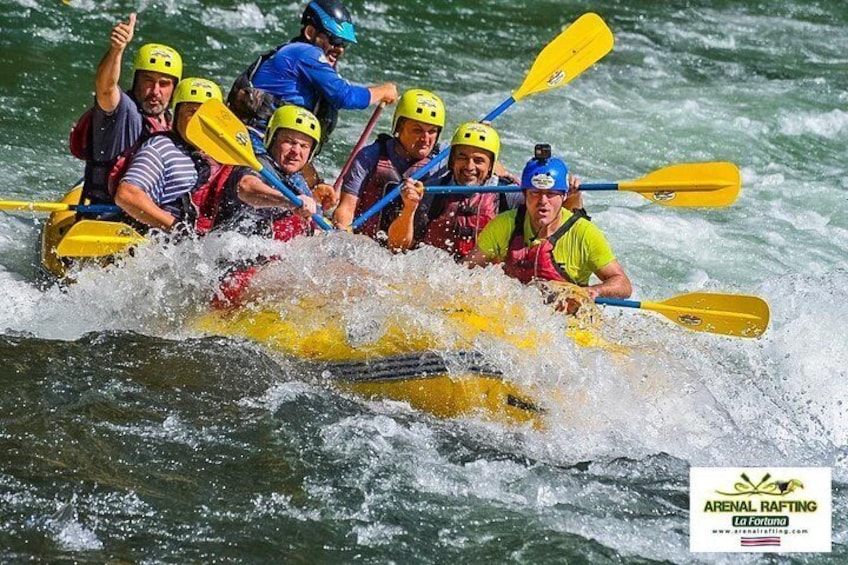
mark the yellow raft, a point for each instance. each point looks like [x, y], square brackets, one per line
[439, 372]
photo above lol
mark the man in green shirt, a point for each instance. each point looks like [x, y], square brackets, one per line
[542, 240]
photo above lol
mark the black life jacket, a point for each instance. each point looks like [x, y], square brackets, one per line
[254, 106]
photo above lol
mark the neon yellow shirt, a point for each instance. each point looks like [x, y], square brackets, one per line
[582, 251]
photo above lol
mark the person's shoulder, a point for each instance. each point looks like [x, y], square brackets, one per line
[126, 107]
[582, 225]
[588, 232]
[496, 235]
[370, 153]
[504, 219]
[509, 215]
[239, 173]
[159, 144]
[297, 179]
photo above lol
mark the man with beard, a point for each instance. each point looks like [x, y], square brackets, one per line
[120, 119]
[303, 72]
[542, 240]
[452, 221]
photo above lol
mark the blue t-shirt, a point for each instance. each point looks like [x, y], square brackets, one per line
[114, 133]
[164, 171]
[299, 73]
[366, 160]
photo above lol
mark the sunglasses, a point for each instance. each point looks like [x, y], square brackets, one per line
[335, 41]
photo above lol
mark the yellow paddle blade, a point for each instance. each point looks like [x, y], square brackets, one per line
[580, 46]
[95, 238]
[737, 315]
[24, 206]
[709, 185]
[216, 131]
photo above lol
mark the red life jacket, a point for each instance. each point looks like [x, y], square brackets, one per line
[536, 262]
[205, 200]
[459, 218]
[79, 140]
[384, 174]
[235, 283]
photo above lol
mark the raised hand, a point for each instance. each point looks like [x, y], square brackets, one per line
[122, 33]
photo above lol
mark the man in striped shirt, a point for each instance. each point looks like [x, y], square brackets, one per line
[166, 166]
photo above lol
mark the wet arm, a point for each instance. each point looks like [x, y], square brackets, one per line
[138, 204]
[343, 216]
[106, 88]
[252, 191]
[614, 282]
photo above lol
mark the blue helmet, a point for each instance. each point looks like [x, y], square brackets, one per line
[544, 172]
[331, 17]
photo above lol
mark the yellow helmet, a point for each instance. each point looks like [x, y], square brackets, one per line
[478, 135]
[195, 89]
[159, 58]
[422, 106]
[297, 119]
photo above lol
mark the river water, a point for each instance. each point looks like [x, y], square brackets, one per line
[128, 435]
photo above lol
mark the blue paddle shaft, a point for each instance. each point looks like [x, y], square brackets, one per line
[456, 189]
[619, 302]
[292, 197]
[395, 192]
[599, 186]
[96, 208]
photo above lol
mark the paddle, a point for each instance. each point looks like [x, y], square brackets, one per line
[24, 206]
[95, 238]
[337, 186]
[707, 185]
[215, 130]
[573, 51]
[736, 315]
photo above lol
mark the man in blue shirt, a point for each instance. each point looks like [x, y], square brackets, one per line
[303, 72]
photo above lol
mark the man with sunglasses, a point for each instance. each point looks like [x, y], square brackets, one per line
[303, 72]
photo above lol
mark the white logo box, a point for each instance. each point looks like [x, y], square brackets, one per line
[760, 509]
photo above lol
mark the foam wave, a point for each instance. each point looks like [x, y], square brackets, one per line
[829, 125]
